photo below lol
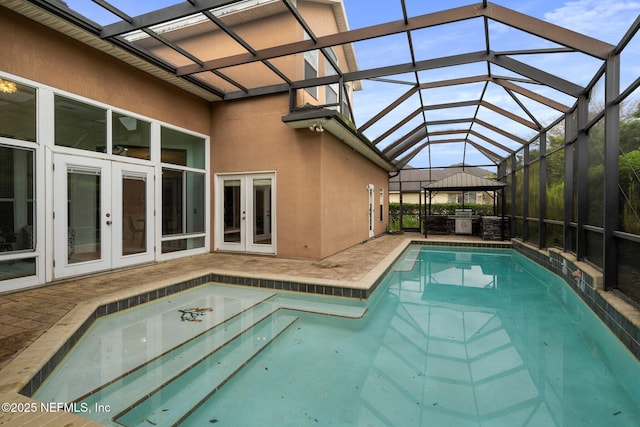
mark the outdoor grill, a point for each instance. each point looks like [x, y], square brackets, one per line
[463, 221]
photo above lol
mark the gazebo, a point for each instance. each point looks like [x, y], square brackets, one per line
[490, 228]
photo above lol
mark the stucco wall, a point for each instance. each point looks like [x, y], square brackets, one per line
[321, 193]
[251, 137]
[33, 51]
[345, 197]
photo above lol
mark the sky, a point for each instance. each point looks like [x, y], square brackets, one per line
[607, 21]
[604, 20]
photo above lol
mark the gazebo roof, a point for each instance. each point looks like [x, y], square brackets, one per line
[463, 181]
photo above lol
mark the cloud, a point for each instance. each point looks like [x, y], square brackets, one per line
[604, 20]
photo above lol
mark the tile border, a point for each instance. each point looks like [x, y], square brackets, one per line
[485, 245]
[617, 312]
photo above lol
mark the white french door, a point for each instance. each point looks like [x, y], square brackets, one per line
[103, 215]
[245, 213]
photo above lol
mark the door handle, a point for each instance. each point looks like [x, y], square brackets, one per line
[108, 222]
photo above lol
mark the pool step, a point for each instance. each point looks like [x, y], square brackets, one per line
[142, 382]
[177, 398]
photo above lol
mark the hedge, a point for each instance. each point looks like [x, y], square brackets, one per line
[409, 209]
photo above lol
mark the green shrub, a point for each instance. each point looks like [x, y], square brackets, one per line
[413, 209]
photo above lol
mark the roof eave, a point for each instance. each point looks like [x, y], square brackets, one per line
[334, 123]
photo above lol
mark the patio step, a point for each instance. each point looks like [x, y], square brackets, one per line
[148, 379]
[177, 398]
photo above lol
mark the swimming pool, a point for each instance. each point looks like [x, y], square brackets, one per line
[452, 337]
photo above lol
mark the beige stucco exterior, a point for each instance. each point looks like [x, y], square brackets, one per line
[322, 199]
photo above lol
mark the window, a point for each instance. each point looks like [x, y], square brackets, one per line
[131, 137]
[182, 149]
[17, 111]
[17, 191]
[183, 191]
[79, 125]
[466, 197]
[331, 91]
[16, 199]
[182, 202]
[311, 67]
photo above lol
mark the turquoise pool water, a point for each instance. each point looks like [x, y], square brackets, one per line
[453, 337]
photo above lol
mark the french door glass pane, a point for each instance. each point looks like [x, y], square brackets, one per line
[232, 214]
[84, 213]
[262, 211]
[134, 208]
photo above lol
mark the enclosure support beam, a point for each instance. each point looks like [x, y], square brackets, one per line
[611, 167]
[514, 193]
[569, 152]
[401, 227]
[526, 185]
[542, 215]
[581, 174]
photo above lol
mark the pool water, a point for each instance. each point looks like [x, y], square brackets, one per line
[452, 337]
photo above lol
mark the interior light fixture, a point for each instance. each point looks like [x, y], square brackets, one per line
[7, 86]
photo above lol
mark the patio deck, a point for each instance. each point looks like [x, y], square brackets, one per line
[27, 315]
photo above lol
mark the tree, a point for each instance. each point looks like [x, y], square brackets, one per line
[629, 170]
